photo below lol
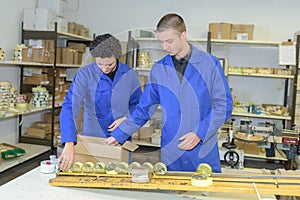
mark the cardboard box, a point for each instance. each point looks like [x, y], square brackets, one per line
[75, 57]
[36, 79]
[145, 133]
[62, 24]
[36, 132]
[40, 55]
[67, 56]
[58, 55]
[220, 30]
[60, 72]
[77, 46]
[38, 19]
[51, 56]
[58, 80]
[48, 117]
[242, 31]
[79, 61]
[92, 149]
[56, 6]
[27, 55]
[46, 126]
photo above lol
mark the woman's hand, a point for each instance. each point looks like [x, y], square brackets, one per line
[115, 124]
[67, 157]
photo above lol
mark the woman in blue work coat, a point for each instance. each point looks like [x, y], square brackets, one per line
[194, 96]
[108, 90]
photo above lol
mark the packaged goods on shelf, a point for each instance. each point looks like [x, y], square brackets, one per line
[282, 71]
[17, 55]
[21, 98]
[264, 70]
[36, 79]
[48, 117]
[62, 24]
[40, 54]
[38, 19]
[260, 70]
[220, 30]
[77, 46]
[5, 96]
[2, 55]
[30, 71]
[274, 109]
[144, 59]
[65, 55]
[248, 70]
[242, 31]
[58, 7]
[26, 55]
[40, 97]
[46, 126]
[234, 69]
[36, 132]
[231, 31]
[78, 29]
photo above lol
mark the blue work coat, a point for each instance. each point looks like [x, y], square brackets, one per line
[104, 100]
[201, 103]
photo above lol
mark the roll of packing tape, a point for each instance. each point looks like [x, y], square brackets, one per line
[48, 166]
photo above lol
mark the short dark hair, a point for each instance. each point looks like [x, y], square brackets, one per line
[105, 46]
[171, 21]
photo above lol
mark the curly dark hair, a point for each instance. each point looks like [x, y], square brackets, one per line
[105, 46]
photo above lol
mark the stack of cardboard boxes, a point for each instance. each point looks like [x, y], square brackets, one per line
[231, 31]
[78, 29]
[72, 54]
[47, 14]
[42, 129]
[35, 76]
[61, 87]
[39, 51]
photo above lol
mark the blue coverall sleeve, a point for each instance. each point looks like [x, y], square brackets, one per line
[142, 113]
[221, 102]
[71, 108]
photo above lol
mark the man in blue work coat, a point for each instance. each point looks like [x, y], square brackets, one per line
[108, 89]
[192, 90]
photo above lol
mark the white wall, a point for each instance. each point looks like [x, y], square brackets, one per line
[273, 19]
[10, 35]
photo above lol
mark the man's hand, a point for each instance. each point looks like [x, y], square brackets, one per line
[67, 157]
[111, 141]
[189, 141]
[115, 124]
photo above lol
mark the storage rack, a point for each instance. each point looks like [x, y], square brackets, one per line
[49, 35]
[288, 78]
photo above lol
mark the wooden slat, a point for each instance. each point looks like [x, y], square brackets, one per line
[232, 183]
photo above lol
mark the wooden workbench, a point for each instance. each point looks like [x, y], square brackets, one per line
[287, 184]
[35, 185]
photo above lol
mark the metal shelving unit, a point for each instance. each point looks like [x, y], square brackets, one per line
[45, 35]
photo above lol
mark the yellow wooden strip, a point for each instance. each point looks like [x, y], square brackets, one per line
[175, 184]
